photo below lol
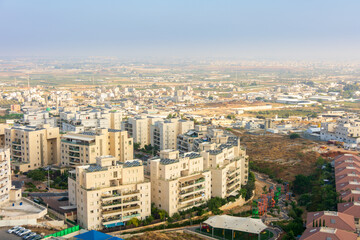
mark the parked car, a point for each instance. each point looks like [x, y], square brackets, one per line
[11, 230]
[19, 230]
[29, 235]
[37, 237]
[26, 231]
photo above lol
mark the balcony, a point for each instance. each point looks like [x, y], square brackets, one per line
[190, 191]
[16, 142]
[73, 148]
[111, 220]
[192, 183]
[111, 197]
[15, 147]
[125, 209]
[74, 155]
[190, 198]
[112, 212]
[191, 205]
[131, 216]
[131, 193]
[78, 142]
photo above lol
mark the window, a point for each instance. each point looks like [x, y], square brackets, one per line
[333, 221]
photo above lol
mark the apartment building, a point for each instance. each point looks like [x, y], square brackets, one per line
[164, 133]
[224, 156]
[83, 148]
[179, 182]
[109, 193]
[5, 175]
[40, 117]
[185, 142]
[89, 120]
[344, 130]
[33, 147]
[138, 128]
[2, 134]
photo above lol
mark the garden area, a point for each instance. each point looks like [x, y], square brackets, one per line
[58, 180]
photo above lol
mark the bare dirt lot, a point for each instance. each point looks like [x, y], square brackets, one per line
[166, 236]
[279, 155]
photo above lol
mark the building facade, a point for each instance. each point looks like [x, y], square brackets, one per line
[164, 133]
[83, 148]
[109, 193]
[33, 147]
[345, 130]
[179, 182]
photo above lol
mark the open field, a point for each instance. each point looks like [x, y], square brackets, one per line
[279, 156]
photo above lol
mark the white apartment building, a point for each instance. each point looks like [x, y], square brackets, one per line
[109, 193]
[179, 182]
[88, 120]
[164, 133]
[344, 130]
[37, 118]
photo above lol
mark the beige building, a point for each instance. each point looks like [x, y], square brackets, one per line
[2, 134]
[109, 193]
[164, 133]
[139, 128]
[83, 148]
[5, 175]
[33, 147]
[179, 182]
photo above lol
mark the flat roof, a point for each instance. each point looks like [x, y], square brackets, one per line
[241, 224]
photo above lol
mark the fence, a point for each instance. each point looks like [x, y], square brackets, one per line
[64, 232]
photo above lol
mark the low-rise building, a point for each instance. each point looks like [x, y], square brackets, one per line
[345, 130]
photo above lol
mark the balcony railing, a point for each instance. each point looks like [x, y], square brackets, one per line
[131, 216]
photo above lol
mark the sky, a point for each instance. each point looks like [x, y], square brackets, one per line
[278, 29]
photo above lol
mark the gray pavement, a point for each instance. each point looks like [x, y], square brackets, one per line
[7, 236]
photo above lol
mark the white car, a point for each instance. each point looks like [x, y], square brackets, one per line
[26, 231]
[11, 230]
[19, 230]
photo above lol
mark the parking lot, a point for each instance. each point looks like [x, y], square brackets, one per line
[4, 235]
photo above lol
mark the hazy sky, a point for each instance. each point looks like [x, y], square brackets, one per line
[181, 28]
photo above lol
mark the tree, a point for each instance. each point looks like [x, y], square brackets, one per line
[37, 175]
[163, 214]
[301, 184]
[294, 136]
[133, 221]
[324, 223]
[176, 216]
[137, 146]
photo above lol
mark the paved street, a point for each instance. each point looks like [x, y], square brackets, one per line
[7, 236]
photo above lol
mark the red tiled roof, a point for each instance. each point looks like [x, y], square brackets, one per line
[350, 194]
[327, 233]
[347, 178]
[352, 208]
[347, 157]
[347, 163]
[332, 219]
[344, 170]
[347, 186]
